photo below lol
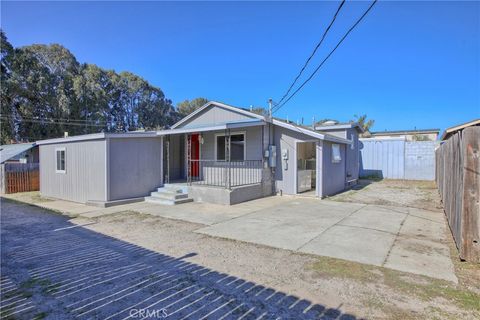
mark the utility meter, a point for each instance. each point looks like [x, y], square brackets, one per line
[272, 156]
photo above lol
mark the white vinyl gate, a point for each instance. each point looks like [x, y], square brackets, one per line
[395, 158]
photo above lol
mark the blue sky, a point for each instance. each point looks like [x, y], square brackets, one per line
[408, 64]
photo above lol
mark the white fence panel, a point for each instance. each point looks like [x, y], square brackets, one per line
[420, 160]
[395, 158]
[383, 158]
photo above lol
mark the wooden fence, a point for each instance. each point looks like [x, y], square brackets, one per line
[458, 181]
[19, 177]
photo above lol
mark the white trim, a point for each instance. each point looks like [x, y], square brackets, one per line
[97, 136]
[296, 164]
[244, 133]
[64, 160]
[339, 153]
[218, 104]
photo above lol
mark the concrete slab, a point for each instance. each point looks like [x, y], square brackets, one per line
[288, 226]
[425, 226]
[421, 257]
[67, 207]
[352, 243]
[375, 217]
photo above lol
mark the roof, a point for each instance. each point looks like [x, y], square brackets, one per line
[450, 131]
[9, 151]
[415, 131]
[218, 104]
[223, 126]
[99, 136]
[310, 132]
[275, 121]
[347, 125]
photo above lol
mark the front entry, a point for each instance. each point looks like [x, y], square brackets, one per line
[195, 155]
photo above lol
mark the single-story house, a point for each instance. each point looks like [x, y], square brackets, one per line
[219, 153]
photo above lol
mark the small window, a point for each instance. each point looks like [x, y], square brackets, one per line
[60, 160]
[336, 156]
[237, 147]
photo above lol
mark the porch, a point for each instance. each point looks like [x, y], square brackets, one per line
[219, 166]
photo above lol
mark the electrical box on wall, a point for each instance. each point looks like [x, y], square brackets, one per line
[272, 156]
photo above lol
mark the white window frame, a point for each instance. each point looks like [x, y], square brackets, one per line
[334, 160]
[229, 156]
[64, 159]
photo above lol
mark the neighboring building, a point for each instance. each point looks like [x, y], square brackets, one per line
[19, 152]
[218, 154]
[409, 135]
[452, 130]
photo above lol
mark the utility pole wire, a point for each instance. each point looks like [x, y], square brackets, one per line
[314, 51]
[279, 106]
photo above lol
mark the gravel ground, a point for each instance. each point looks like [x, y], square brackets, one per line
[402, 193]
[77, 272]
[52, 269]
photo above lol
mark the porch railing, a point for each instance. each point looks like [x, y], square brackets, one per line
[226, 174]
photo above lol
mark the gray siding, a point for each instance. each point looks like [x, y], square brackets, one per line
[352, 154]
[135, 167]
[253, 138]
[333, 174]
[285, 179]
[241, 172]
[85, 176]
[214, 115]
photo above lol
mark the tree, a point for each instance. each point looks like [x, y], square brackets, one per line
[7, 130]
[362, 121]
[45, 91]
[186, 107]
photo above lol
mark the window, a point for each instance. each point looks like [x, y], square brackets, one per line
[60, 160]
[336, 157]
[237, 147]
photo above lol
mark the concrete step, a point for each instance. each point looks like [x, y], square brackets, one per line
[168, 195]
[166, 201]
[170, 189]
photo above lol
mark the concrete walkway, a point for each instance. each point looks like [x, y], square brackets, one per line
[400, 238]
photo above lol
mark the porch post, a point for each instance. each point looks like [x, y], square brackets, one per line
[189, 158]
[167, 155]
[228, 181]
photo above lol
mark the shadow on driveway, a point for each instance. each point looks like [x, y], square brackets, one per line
[56, 270]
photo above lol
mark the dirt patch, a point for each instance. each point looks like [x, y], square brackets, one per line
[362, 290]
[415, 194]
[27, 197]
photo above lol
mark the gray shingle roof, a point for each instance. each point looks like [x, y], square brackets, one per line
[9, 151]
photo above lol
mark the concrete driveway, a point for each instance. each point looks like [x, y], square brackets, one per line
[400, 238]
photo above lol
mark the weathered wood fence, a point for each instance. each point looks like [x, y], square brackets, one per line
[458, 181]
[19, 177]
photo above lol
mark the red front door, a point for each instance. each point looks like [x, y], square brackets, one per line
[195, 155]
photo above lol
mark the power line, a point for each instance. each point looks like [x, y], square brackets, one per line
[314, 51]
[57, 122]
[53, 119]
[278, 107]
